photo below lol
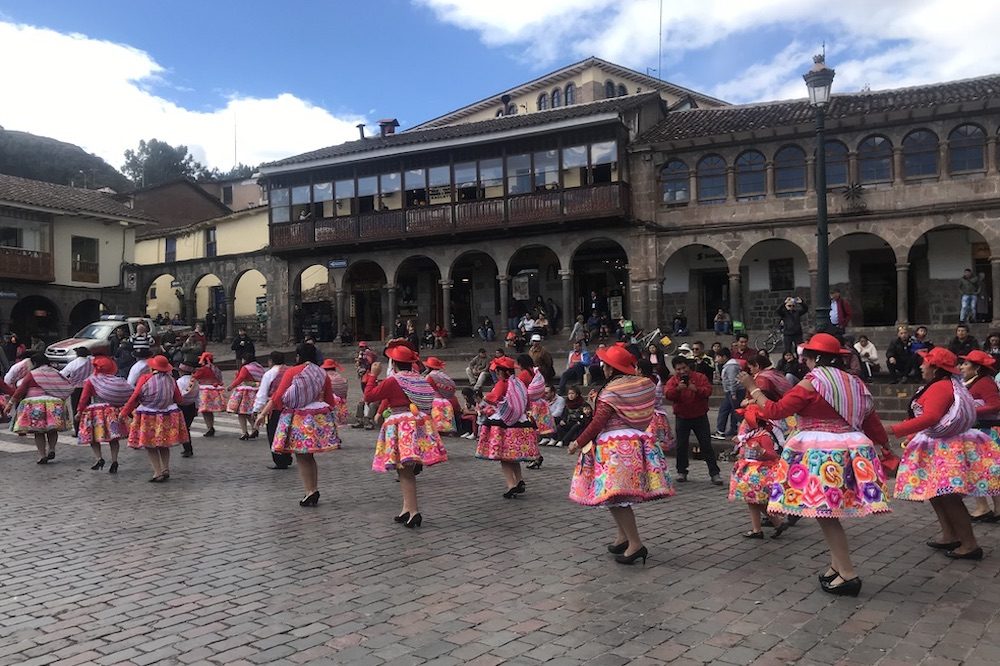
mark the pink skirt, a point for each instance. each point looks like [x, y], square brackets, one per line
[211, 399]
[659, 428]
[100, 423]
[241, 400]
[752, 480]
[625, 467]
[539, 410]
[341, 415]
[443, 415]
[157, 430]
[407, 439]
[516, 443]
[306, 431]
[41, 414]
[968, 464]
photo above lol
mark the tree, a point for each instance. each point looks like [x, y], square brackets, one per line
[239, 171]
[157, 162]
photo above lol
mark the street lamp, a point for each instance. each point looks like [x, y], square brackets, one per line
[819, 80]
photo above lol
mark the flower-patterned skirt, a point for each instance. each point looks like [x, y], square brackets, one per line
[828, 475]
[211, 399]
[625, 467]
[968, 464]
[241, 400]
[155, 429]
[341, 415]
[752, 481]
[659, 428]
[443, 415]
[100, 423]
[310, 430]
[407, 439]
[514, 443]
[539, 410]
[41, 414]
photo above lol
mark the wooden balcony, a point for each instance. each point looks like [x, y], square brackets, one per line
[596, 201]
[19, 264]
[85, 271]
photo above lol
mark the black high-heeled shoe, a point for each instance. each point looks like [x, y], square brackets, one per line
[511, 493]
[51, 456]
[536, 463]
[618, 548]
[944, 545]
[42, 461]
[849, 588]
[98, 465]
[414, 521]
[255, 434]
[209, 433]
[828, 578]
[113, 469]
[520, 488]
[165, 476]
[976, 554]
[310, 500]
[630, 559]
[402, 518]
[244, 437]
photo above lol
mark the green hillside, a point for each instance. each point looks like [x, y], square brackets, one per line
[43, 158]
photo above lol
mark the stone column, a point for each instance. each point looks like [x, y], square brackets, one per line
[995, 272]
[810, 175]
[341, 299]
[504, 281]
[769, 179]
[693, 186]
[902, 293]
[730, 183]
[388, 326]
[991, 156]
[446, 286]
[654, 305]
[735, 298]
[853, 175]
[897, 164]
[230, 317]
[569, 313]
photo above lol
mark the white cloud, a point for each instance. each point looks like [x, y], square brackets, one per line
[97, 94]
[883, 43]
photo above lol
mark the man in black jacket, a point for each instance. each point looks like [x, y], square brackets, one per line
[790, 313]
[900, 359]
[243, 347]
[962, 343]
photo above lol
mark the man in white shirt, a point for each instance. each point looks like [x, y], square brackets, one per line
[140, 367]
[268, 384]
[76, 372]
[557, 405]
[18, 371]
[188, 386]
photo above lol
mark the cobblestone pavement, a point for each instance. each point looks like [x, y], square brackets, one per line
[221, 565]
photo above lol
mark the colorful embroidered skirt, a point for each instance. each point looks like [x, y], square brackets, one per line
[968, 464]
[41, 414]
[752, 480]
[341, 415]
[153, 429]
[241, 399]
[659, 428]
[828, 475]
[306, 431]
[515, 443]
[443, 415]
[100, 423]
[625, 467]
[211, 399]
[405, 439]
[539, 410]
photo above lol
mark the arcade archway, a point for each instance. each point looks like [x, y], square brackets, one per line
[36, 316]
[937, 260]
[365, 281]
[85, 312]
[863, 268]
[475, 292]
[696, 283]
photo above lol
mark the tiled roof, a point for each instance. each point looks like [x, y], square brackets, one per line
[693, 123]
[62, 197]
[503, 123]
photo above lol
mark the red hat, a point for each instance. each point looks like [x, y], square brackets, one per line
[400, 350]
[206, 357]
[941, 358]
[753, 415]
[160, 363]
[824, 343]
[619, 358]
[980, 357]
[434, 363]
[330, 364]
[105, 365]
[505, 362]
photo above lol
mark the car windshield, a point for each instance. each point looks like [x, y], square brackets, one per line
[94, 332]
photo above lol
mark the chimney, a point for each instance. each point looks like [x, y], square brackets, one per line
[387, 126]
[505, 101]
[361, 129]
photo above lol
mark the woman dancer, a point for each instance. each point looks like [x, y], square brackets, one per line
[978, 369]
[41, 406]
[408, 440]
[100, 421]
[537, 407]
[306, 426]
[244, 390]
[659, 426]
[446, 406]
[620, 464]
[338, 385]
[829, 468]
[210, 391]
[508, 434]
[945, 457]
[755, 470]
[159, 422]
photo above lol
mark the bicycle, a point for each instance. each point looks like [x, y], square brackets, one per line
[656, 336]
[775, 336]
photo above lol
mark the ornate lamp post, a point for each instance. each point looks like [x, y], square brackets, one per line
[819, 80]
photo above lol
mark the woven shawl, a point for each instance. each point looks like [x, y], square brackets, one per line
[417, 389]
[80, 371]
[51, 383]
[847, 394]
[511, 408]
[255, 369]
[337, 384]
[111, 389]
[781, 385]
[961, 416]
[632, 397]
[536, 389]
[441, 383]
[158, 391]
[306, 387]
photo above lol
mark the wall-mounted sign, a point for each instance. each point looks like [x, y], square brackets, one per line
[8, 294]
[337, 263]
[175, 283]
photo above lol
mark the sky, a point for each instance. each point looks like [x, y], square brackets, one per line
[255, 81]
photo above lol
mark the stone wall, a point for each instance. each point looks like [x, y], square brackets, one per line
[760, 307]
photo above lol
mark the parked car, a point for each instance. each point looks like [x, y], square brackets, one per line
[96, 336]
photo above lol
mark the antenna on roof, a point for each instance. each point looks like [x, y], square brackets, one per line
[659, 63]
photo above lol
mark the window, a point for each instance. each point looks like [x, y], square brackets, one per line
[543, 102]
[556, 98]
[782, 274]
[751, 176]
[966, 149]
[875, 160]
[604, 162]
[920, 154]
[84, 255]
[343, 190]
[152, 293]
[211, 247]
[389, 191]
[546, 170]
[24, 234]
[367, 191]
[570, 94]
[676, 182]
[609, 89]
[790, 171]
[278, 198]
[491, 178]
[622, 91]
[518, 174]
[227, 194]
[836, 164]
[11, 237]
[712, 179]
[170, 249]
[466, 183]
[301, 203]
[415, 184]
[322, 200]
[439, 184]
[574, 166]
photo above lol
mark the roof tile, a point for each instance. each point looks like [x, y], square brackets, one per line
[62, 197]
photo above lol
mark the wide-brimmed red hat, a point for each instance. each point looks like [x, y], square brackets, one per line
[160, 363]
[434, 363]
[619, 358]
[105, 365]
[330, 364]
[206, 357]
[505, 362]
[979, 357]
[941, 358]
[824, 343]
[400, 350]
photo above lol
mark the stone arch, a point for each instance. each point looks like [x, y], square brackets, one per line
[936, 262]
[208, 291]
[475, 291]
[418, 291]
[365, 282]
[863, 268]
[86, 311]
[161, 296]
[533, 271]
[36, 315]
[695, 278]
[599, 265]
[771, 270]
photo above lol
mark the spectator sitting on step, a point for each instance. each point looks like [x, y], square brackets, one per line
[593, 325]
[869, 357]
[791, 367]
[680, 323]
[440, 337]
[486, 331]
[900, 358]
[920, 340]
[723, 323]
[478, 369]
[427, 337]
[963, 342]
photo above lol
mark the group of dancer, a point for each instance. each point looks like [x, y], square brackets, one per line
[816, 449]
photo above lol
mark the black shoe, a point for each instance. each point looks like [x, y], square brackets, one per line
[414, 521]
[165, 476]
[98, 465]
[988, 517]
[244, 437]
[511, 493]
[828, 578]
[780, 529]
[630, 559]
[255, 434]
[113, 469]
[277, 467]
[520, 488]
[753, 535]
[849, 588]
[42, 461]
[976, 554]
[618, 548]
[157, 479]
[682, 478]
[950, 545]
[791, 520]
[187, 454]
[310, 500]
[209, 433]
[51, 456]
[402, 518]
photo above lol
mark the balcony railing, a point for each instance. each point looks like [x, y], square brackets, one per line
[604, 200]
[19, 264]
[85, 271]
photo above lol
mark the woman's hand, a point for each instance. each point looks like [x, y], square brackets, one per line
[376, 369]
[573, 447]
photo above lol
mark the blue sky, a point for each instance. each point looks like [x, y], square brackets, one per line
[287, 77]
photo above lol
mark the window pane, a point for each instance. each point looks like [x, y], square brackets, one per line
[344, 192]
[543, 102]
[750, 176]
[609, 89]
[439, 179]
[323, 192]
[391, 185]
[574, 166]
[415, 181]
[966, 149]
[836, 164]
[547, 170]
[518, 174]
[280, 214]
[604, 162]
[279, 197]
[712, 179]
[920, 153]
[300, 194]
[491, 177]
[790, 171]
[367, 189]
[556, 98]
[465, 181]
[675, 182]
[570, 94]
[875, 160]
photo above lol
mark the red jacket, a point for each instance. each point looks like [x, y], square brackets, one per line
[690, 402]
[985, 389]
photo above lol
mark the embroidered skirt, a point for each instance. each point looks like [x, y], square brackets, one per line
[211, 399]
[625, 467]
[443, 415]
[100, 423]
[154, 429]
[515, 443]
[406, 439]
[539, 410]
[41, 414]
[659, 428]
[306, 431]
[968, 464]
[241, 400]
[341, 415]
[828, 475]
[752, 480]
